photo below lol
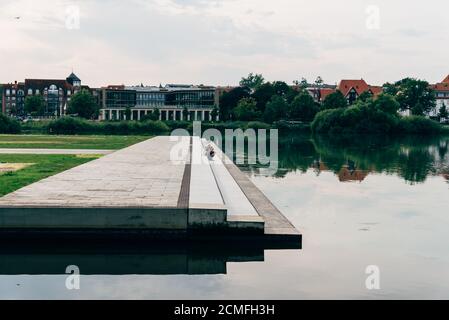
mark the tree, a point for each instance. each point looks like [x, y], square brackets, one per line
[263, 94]
[303, 107]
[412, 94]
[252, 81]
[335, 100]
[229, 100]
[83, 104]
[35, 105]
[214, 114]
[319, 81]
[303, 83]
[128, 113]
[276, 109]
[185, 113]
[246, 110]
[365, 96]
[156, 114]
[443, 113]
[386, 103]
[281, 88]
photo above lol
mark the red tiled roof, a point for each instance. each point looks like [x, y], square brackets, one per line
[376, 90]
[360, 86]
[324, 92]
[441, 86]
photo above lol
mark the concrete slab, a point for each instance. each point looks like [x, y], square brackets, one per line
[235, 200]
[203, 186]
[143, 188]
[139, 176]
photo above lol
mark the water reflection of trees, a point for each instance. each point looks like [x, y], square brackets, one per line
[352, 158]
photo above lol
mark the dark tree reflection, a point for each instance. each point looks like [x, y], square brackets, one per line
[353, 157]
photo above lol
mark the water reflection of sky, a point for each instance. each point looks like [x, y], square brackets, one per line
[382, 220]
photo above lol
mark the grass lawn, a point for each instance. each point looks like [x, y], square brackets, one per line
[69, 142]
[42, 167]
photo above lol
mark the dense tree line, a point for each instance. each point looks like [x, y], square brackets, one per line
[256, 99]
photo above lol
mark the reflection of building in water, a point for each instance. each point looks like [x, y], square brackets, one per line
[346, 174]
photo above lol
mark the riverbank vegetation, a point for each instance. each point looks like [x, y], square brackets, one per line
[70, 125]
[9, 125]
[276, 101]
[375, 115]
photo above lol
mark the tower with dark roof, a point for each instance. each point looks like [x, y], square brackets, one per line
[74, 80]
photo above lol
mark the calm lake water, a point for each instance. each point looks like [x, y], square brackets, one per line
[358, 201]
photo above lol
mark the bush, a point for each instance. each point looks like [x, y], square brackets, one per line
[418, 124]
[365, 119]
[173, 124]
[154, 127]
[69, 125]
[258, 125]
[9, 125]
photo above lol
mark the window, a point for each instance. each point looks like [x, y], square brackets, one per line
[37, 91]
[8, 92]
[30, 91]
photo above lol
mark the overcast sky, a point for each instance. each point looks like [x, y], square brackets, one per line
[218, 41]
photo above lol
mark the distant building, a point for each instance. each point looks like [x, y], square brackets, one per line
[13, 100]
[172, 101]
[442, 96]
[352, 89]
[320, 93]
[56, 94]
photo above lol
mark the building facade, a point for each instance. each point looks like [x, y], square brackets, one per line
[55, 94]
[442, 96]
[173, 102]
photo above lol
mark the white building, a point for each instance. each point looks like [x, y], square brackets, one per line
[442, 96]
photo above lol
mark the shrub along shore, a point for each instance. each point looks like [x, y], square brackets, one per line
[373, 116]
[355, 119]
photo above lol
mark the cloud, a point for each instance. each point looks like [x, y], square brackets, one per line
[217, 42]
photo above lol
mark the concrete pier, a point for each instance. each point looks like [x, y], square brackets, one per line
[164, 187]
